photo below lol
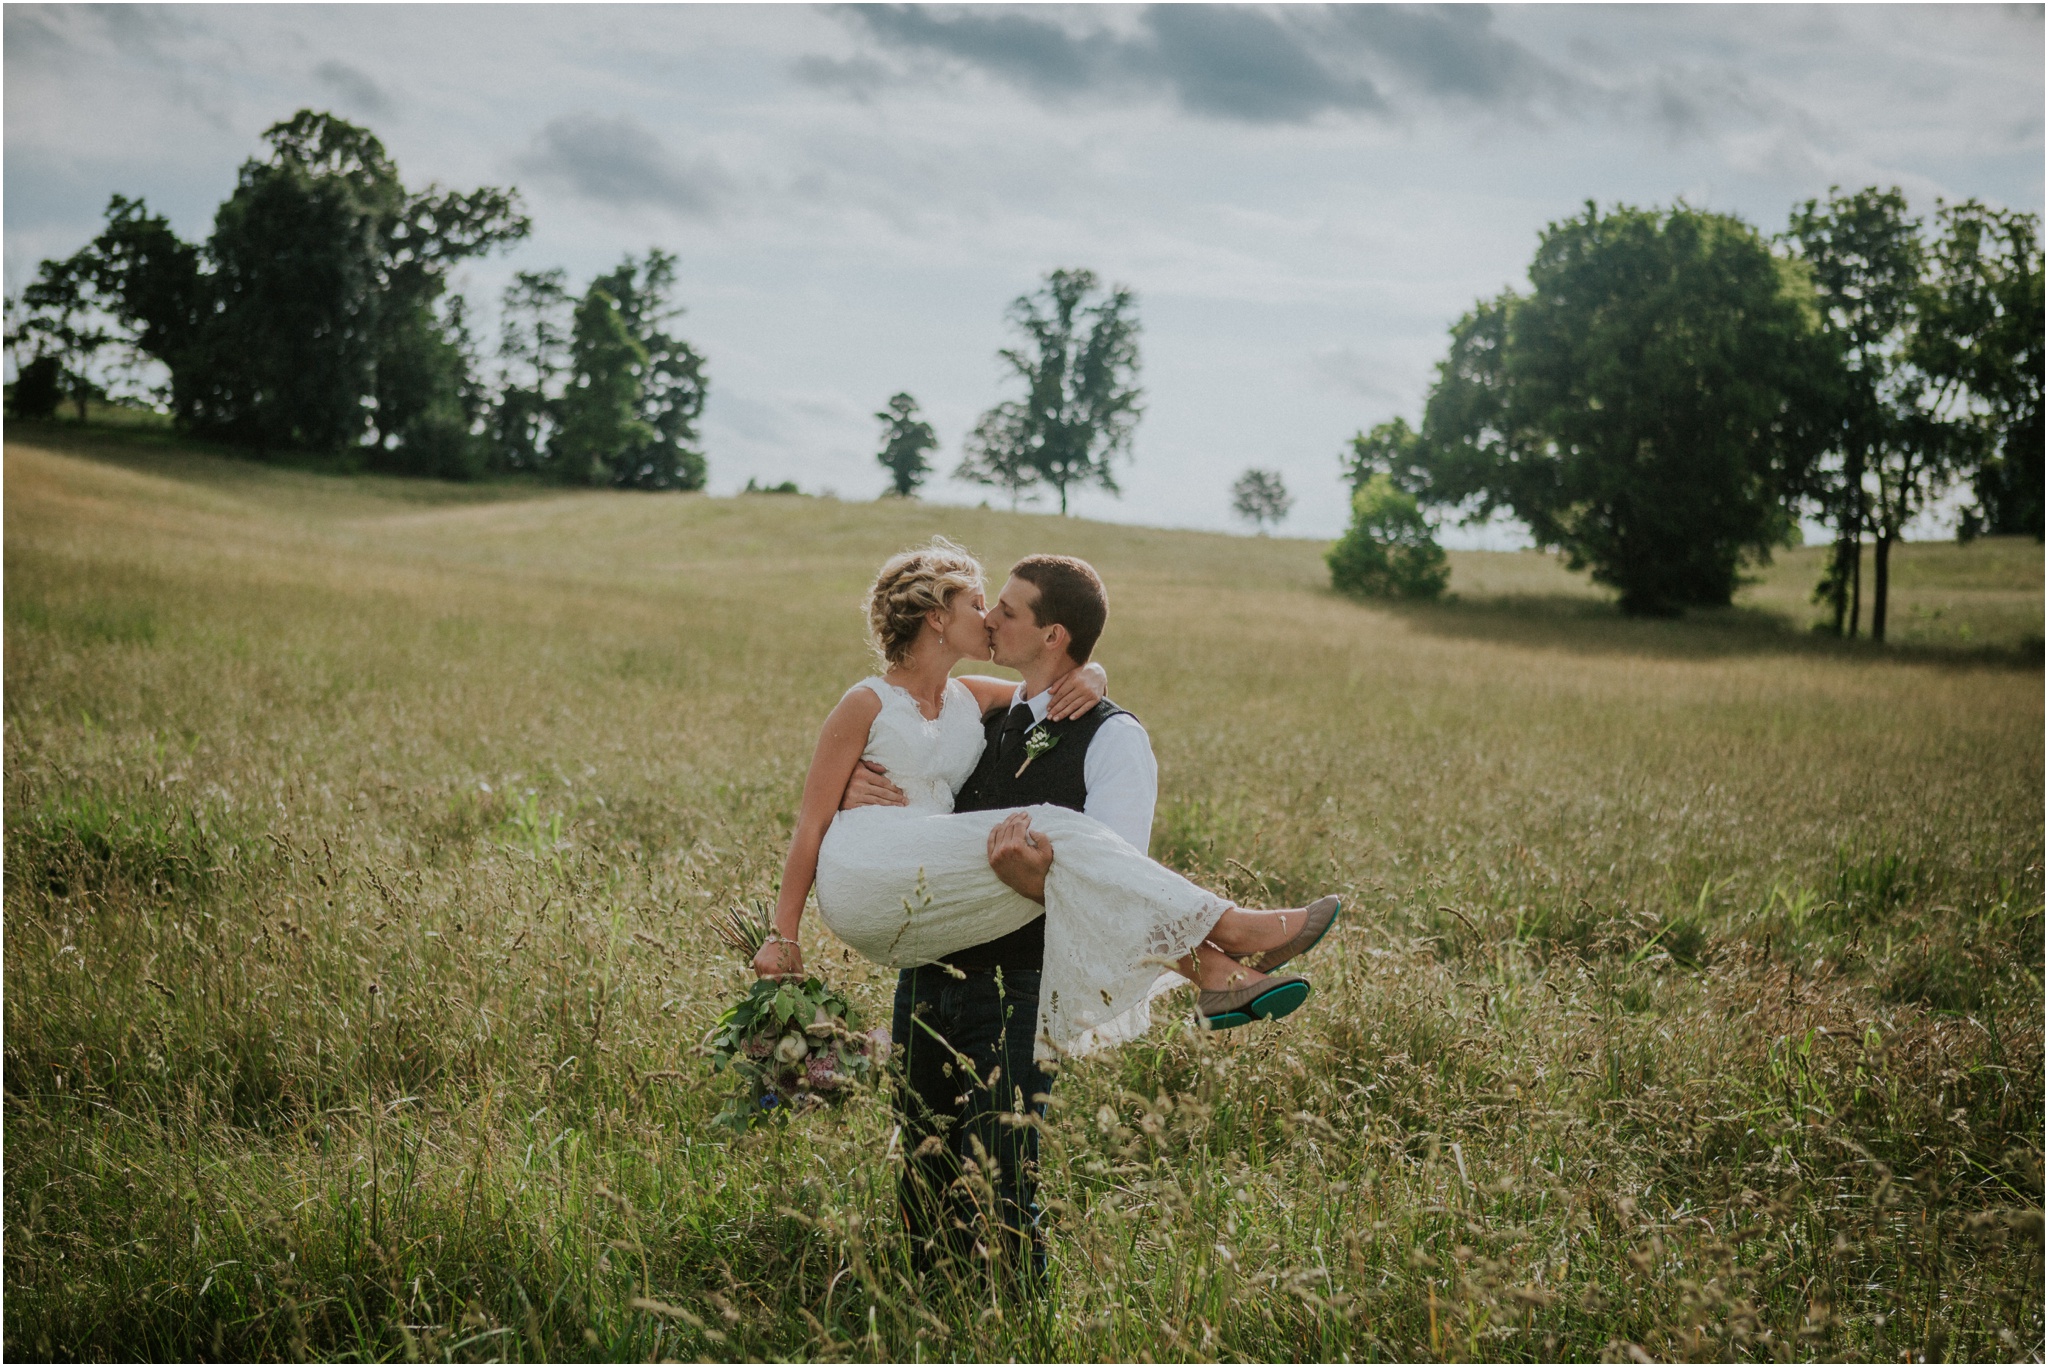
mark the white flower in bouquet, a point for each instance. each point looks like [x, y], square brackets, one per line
[791, 1049]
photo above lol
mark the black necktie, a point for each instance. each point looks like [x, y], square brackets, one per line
[1015, 725]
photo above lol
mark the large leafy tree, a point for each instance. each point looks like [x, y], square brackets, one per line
[596, 390]
[1644, 409]
[1981, 327]
[1079, 365]
[155, 287]
[671, 377]
[314, 316]
[55, 331]
[601, 426]
[1864, 253]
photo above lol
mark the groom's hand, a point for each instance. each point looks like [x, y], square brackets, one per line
[869, 786]
[1020, 856]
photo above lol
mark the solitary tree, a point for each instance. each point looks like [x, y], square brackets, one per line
[1644, 409]
[1081, 404]
[999, 455]
[1260, 497]
[905, 440]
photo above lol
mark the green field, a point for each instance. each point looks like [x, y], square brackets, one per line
[362, 839]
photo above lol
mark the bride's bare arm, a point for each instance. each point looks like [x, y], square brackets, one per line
[840, 744]
[1073, 693]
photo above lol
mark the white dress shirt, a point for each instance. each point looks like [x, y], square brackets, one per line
[1119, 771]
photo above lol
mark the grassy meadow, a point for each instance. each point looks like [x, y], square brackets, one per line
[363, 836]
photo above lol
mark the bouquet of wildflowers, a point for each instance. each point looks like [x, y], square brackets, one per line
[795, 1045]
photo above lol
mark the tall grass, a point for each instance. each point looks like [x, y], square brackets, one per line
[363, 840]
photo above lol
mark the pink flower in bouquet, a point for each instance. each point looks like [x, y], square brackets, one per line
[758, 1047]
[879, 1043]
[822, 1073]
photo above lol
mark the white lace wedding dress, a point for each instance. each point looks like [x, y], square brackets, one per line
[907, 885]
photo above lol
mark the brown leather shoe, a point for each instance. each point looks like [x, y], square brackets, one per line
[1322, 914]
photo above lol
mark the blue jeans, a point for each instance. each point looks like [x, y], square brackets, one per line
[968, 1081]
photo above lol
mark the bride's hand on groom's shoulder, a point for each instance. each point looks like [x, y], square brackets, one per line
[1075, 693]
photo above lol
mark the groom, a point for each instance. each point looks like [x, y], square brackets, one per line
[973, 1094]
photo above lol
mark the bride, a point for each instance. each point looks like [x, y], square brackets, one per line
[908, 885]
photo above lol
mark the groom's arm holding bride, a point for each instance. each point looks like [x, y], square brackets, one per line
[1122, 784]
[835, 768]
[1123, 789]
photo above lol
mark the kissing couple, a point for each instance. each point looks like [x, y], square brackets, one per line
[988, 838]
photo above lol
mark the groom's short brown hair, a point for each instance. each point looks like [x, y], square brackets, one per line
[1070, 594]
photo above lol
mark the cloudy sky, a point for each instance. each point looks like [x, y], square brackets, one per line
[1303, 198]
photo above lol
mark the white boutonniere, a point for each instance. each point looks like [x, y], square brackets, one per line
[1036, 742]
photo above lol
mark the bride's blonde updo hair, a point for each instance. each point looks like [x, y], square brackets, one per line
[911, 584]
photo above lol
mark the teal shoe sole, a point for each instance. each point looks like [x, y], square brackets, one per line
[1266, 1006]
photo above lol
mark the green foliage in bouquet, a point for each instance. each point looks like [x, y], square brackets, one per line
[795, 1045]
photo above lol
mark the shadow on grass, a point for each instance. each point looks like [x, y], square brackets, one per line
[1589, 626]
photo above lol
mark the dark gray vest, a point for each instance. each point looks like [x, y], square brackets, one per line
[1058, 778]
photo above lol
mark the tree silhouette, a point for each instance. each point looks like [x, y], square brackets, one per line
[1081, 403]
[1981, 324]
[905, 440]
[56, 324]
[1260, 497]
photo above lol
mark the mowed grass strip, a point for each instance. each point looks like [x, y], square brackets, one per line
[362, 840]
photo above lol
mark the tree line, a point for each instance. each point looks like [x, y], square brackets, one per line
[1667, 400]
[1675, 391]
[317, 317]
